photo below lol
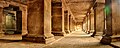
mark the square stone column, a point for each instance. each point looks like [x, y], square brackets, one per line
[85, 24]
[58, 18]
[70, 23]
[92, 21]
[89, 23]
[94, 10]
[1, 13]
[39, 22]
[66, 21]
[74, 27]
[106, 38]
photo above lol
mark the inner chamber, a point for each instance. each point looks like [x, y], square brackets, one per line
[12, 23]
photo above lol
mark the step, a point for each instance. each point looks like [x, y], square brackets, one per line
[115, 38]
[11, 37]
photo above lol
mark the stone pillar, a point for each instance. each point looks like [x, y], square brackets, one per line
[24, 20]
[86, 24]
[106, 39]
[94, 8]
[83, 26]
[92, 21]
[66, 21]
[39, 22]
[89, 23]
[1, 13]
[70, 23]
[58, 18]
[73, 24]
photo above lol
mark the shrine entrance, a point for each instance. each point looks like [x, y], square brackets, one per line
[12, 22]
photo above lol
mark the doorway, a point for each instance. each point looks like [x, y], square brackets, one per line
[12, 23]
[12, 20]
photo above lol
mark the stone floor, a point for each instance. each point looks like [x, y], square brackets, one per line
[117, 44]
[76, 39]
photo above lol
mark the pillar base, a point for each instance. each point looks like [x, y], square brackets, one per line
[67, 31]
[24, 33]
[88, 32]
[1, 34]
[106, 40]
[70, 30]
[39, 38]
[56, 33]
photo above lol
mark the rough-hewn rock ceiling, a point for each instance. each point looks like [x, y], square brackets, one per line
[79, 8]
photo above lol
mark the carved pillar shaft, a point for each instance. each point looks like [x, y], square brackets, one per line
[106, 39]
[1, 13]
[39, 22]
[66, 21]
[58, 18]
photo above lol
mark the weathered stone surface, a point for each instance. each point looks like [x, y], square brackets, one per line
[92, 21]
[39, 21]
[85, 25]
[58, 18]
[1, 13]
[66, 21]
[36, 17]
[100, 18]
[22, 8]
[115, 17]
